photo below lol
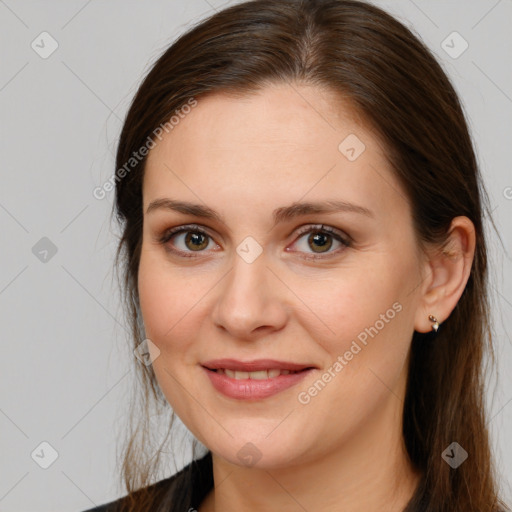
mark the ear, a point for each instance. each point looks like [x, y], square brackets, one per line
[446, 274]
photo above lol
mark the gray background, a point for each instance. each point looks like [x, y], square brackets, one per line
[65, 373]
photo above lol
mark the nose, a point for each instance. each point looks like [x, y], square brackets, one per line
[251, 300]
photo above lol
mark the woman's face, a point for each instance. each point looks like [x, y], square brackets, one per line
[248, 288]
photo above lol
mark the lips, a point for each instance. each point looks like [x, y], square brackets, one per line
[254, 380]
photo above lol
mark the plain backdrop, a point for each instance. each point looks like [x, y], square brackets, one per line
[68, 70]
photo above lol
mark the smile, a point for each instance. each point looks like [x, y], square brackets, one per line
[254, 385]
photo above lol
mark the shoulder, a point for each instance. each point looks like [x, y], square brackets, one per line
[122, 503]
[196, 475]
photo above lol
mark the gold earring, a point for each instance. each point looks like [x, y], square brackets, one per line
[435, 325]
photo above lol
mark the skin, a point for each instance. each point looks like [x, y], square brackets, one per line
[245, 157]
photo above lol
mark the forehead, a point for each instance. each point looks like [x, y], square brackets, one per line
[283, 142]
[302, 117]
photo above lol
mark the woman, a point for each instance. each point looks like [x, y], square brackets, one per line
[305, 262]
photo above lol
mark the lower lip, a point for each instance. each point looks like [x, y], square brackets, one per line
[250, 389]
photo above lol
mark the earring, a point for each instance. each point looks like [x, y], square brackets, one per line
[435, 325]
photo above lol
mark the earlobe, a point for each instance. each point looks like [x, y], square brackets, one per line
[448, 271]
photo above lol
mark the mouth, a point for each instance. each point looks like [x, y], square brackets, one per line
[255, 365]
[254, 379]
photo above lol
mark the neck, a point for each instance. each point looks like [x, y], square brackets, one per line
[369, 471]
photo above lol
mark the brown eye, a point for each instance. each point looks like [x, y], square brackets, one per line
[196, 241]
[185, 240]
[320, 242]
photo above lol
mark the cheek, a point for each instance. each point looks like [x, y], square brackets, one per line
[164, 297]
[362, 313]
[354, 300]
[166, 300]
[366, 344]
[172, 303]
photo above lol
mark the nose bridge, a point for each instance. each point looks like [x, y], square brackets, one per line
[248, 298]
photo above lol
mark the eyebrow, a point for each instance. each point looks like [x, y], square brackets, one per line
[282, 214]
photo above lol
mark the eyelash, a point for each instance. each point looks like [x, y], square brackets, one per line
[317, 228]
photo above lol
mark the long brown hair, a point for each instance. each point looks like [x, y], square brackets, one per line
[393, 80]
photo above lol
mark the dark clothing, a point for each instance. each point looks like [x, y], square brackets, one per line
[196, 478]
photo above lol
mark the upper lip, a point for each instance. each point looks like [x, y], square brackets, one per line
[254, 365]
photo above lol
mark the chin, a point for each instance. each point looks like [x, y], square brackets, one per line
[260, 452]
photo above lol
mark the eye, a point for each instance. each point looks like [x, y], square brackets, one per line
[320, 239]
[192, 238]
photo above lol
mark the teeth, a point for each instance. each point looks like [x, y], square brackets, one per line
[259, 375]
